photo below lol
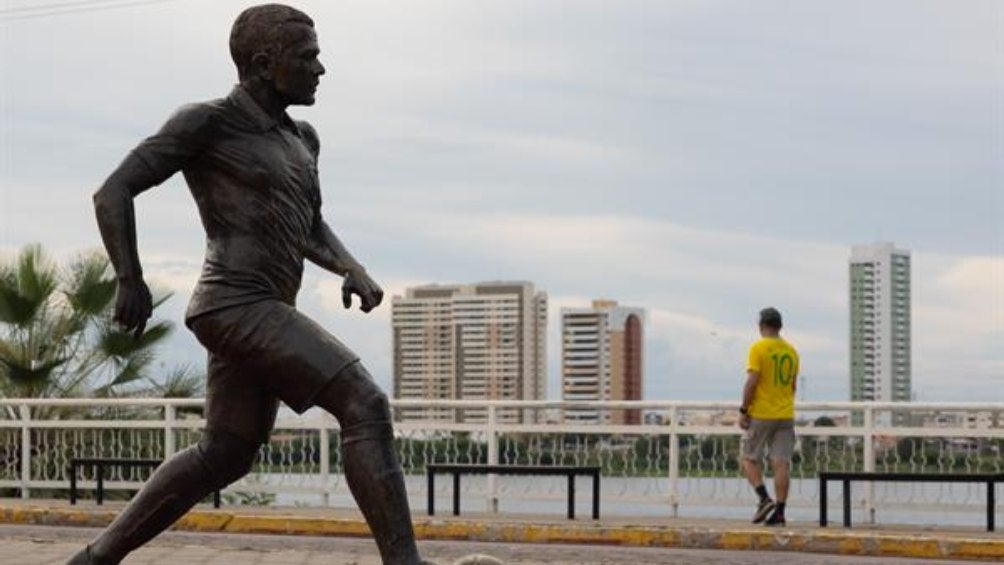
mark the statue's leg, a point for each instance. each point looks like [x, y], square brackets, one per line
[177, 485]
[239, 414]
[300, 362]
[371, 467]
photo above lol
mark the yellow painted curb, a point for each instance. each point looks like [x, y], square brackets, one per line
[203, 521]
[979, 549]
[909, 547]
[862, 543]
[735, 540]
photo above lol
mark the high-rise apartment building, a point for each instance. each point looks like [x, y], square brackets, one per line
[880, 323]
[601, 359]
[483, 341]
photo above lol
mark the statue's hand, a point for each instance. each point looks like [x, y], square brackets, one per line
[359, 283]
[133, 305]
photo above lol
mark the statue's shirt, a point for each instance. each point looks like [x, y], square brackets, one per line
[255, 182]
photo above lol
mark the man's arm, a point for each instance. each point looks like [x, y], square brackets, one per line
[153, 162]
[749, 390]
[794, 374]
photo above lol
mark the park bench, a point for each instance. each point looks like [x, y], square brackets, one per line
[457, 469]
[991, 479]
[99, 464]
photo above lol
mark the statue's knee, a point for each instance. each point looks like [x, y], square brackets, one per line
[377, 405]
[227, 457]
[366, 416]
[365, 401]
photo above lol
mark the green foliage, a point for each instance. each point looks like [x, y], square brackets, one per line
[824, 422]
[248, 498]
[57, 336]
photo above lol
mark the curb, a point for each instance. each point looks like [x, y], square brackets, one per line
[910, 545]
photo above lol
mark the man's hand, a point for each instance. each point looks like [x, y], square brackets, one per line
[133, 306]
[359, 283]
[744, 421]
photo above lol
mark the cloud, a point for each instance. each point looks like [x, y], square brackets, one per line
[958, 325]
[698, 159]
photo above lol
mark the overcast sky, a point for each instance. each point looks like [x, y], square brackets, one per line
[699, 159]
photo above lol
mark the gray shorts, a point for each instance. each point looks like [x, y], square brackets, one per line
[776, 436]
[259, 354]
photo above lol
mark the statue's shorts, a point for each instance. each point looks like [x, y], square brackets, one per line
[262, 353]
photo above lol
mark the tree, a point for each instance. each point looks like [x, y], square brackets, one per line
[57, 336]
[824, 422]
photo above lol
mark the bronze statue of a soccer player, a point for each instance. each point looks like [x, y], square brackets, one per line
[253, 173]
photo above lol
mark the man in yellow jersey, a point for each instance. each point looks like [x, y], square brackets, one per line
[768, 415]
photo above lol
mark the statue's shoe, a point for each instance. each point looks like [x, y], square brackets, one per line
[83, 557]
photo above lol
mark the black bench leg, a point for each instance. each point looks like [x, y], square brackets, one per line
[571, 496]
[456, 493]
[991, 505]
[596, 496]
[822, 503]
[847, 504]
[216, 498]
[430, 486]
[101, 483]
[73, 484]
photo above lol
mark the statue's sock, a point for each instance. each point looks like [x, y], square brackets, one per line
[176, 486]
[377, 483]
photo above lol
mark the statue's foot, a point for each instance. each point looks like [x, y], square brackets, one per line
[477, 559]
[83, 557]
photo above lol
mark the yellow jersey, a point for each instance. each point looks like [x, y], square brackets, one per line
[777, 363]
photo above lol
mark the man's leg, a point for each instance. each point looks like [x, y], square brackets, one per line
[177, 485]
[753, 474]
[782, 480]
[371, 467]
[751, 453]
[782, 446]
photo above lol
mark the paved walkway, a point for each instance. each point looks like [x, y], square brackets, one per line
[53, 545]
[515, 530]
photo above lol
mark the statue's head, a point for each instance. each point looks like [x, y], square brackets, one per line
[276, 44]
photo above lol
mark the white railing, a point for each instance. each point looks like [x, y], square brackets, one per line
[688, 460]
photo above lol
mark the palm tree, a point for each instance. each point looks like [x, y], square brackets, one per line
[57, 337]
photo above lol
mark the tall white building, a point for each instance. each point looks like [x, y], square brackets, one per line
[601, 359]
[483, 341]
[880, 323]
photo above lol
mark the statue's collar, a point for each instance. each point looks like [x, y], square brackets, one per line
[258, 117]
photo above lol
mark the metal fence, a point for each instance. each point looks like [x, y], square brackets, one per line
[684, 460]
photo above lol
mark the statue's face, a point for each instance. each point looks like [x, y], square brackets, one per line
[297, 70]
